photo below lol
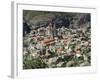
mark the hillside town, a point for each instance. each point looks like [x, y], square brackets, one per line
[53, 45]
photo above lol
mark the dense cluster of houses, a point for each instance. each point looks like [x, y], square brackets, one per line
[57, 47]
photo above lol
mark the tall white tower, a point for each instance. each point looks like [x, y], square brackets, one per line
[54, 30]
[49, 30]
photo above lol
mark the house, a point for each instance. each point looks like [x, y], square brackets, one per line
[47, 42]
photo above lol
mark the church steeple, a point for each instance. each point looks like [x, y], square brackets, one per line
[54, 30]
[49, 30]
